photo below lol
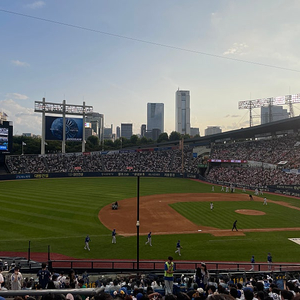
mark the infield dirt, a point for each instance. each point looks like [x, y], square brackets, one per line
[158, 217]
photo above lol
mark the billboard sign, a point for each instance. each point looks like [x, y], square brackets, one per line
[4, 139]
[54, 129]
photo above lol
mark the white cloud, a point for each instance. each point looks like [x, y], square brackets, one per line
[17, 96]
[20, 63]
[24, 118]
[36, 4]
[237, 48]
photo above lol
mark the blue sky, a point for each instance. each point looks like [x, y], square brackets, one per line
[119, 76]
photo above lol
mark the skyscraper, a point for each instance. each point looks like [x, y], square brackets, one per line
[97, 124]
[182, 112]
[126, 130]
[155, 116]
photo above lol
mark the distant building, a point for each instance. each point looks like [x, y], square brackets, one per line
[126, 130]
[277, 113]
[155, 134]
[97, 124]
[155, 116]
[108, 133]
[118, 132]
[27, 134]
[212, 130]
[182, 112]
[194, 131]
[143, 130]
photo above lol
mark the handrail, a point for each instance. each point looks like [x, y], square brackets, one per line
[159, 265]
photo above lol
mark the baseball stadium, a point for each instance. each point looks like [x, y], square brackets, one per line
[189, 192]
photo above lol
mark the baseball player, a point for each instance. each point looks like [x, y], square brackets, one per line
[113, 234]
[213, 188]
[265, 201]
[211, 206]
[149, 239]
[270, 261]
[222, 188]
[234, 225]
[178, 248]
[252, 263]
[87, 240]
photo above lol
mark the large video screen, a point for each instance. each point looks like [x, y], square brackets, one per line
[4, 139]
[54, 128]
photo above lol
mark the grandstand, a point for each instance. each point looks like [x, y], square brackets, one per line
[265, 156]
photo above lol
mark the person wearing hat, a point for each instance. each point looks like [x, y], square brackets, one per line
[149, 239]
[113, 234]
[269, 260]
[252, 263]
[169, 278]
[178, 248]
[87, 241]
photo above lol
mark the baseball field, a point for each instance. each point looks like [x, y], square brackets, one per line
[60, 212]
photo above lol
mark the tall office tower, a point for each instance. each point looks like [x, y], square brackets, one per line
[126, 130]
[155, 116]
[143, 130]
[118, 132]
[97, 123]
[182, 112]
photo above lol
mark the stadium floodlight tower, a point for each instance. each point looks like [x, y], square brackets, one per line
[281, 100]
[60, 127]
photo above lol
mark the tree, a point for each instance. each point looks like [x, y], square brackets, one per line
[108, 145]
[186, 136]
[94, 140]
[175, 136]
[163, 137]
[134, 139]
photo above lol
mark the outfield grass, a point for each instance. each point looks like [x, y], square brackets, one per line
[61, 212]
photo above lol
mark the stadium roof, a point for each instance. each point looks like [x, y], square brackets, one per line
[268, 129]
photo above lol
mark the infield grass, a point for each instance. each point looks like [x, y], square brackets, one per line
[61, 212]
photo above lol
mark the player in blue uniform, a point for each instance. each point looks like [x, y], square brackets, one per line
[149, 239]
[178, 248]
[87, 240]
[270, 261]
[113, 234]
[252, 263]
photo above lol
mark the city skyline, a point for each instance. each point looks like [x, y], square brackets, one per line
[115, 58]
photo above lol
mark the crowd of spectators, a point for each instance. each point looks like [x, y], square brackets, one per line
[252, 176]
[115, 161]
[151, 287]
[270, 151]
[281, 152]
